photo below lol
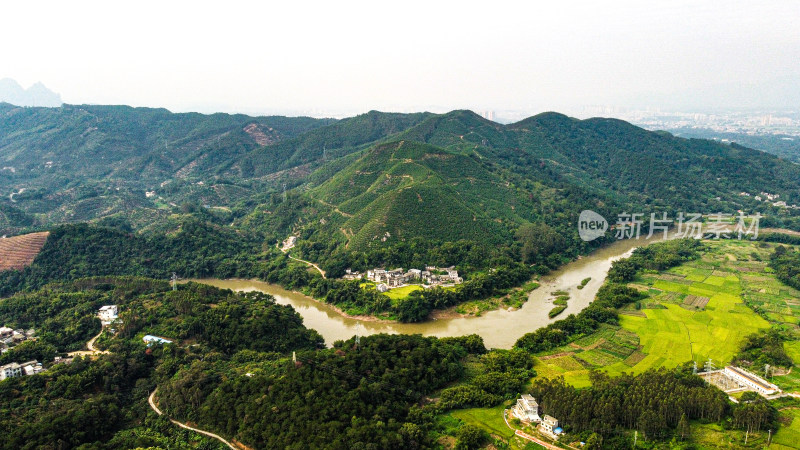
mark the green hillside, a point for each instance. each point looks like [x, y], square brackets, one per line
[328, 143]
[81, 162]
[393, 186]
[410, 190]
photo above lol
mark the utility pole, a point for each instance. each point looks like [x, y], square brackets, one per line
[174, 281]
[635, 438]
[358, 337]
[709, 365]
[769, 439]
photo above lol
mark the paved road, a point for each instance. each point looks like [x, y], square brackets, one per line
[152, 402]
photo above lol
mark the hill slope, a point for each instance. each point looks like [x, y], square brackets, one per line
[19, 251]
[407, 189]
[76, 163]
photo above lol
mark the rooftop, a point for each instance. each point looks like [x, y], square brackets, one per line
[752, 378]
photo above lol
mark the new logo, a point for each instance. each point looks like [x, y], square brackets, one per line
[591, 225]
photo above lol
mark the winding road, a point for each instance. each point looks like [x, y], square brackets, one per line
[151, 400]
[92, 351]
[286, 251]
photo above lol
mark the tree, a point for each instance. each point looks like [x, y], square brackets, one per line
[470, 437]
[683, 427]
[594, 442]
[538, 240]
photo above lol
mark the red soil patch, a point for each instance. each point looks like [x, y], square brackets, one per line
[18, 252]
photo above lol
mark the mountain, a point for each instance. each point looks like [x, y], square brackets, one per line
[36, 95]
[406, 189]
[76, 163]
[458, 176]
[782, 145]
[339, 139]
[368, 181]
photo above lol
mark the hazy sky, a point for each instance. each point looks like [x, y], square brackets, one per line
[410, 55]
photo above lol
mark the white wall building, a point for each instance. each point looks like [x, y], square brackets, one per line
[17, 370]
[108, 314]
[10, 370]
[751, 381]
[549, 425]
[526, 409]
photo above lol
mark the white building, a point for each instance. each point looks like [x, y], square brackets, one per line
[108, 314]
[17, 370]
[382, 287]
[32, 368]
[6, 335]
[150, 339]
[526, 409]
[750, 380]
[549, 426]
[10, 370]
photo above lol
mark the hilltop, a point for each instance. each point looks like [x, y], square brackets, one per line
[373, 183]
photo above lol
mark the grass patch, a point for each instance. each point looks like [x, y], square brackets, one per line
[402, 292]
[488, 419]
[556, 311]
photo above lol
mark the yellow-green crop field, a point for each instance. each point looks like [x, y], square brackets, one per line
[695, 311]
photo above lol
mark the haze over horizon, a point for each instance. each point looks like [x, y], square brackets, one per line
[238, 57]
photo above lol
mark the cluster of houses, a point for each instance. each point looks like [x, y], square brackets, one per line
[13, 369]
[388, 279]
[10, 337]
[527, 410]
[770, 198]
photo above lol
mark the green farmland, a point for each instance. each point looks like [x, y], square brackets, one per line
[699, 310]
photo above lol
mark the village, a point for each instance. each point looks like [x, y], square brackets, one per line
[385, 280]
[10, 338]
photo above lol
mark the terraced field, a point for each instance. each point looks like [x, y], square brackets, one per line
[19, 252]
[699, 310]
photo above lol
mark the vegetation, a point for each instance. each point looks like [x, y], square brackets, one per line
[655, 403]
[610, 297]
[556, 311]
[102, 401]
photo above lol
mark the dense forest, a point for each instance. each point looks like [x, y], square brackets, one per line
[102, 401]
[657, 403]
[786, 263]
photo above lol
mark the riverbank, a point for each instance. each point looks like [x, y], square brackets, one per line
[499, 328]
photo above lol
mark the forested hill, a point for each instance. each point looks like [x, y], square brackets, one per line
[83, 162]
[346, 188]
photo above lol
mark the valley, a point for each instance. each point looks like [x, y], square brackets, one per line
[268, 344]
[499, 328]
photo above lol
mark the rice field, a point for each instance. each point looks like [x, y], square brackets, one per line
[699, 310]
[402, 292]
